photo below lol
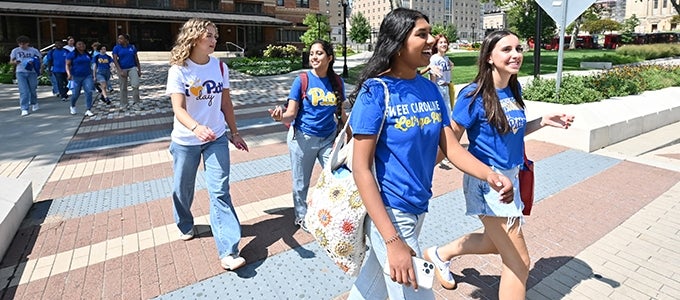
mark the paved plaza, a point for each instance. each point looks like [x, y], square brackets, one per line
[604, 226]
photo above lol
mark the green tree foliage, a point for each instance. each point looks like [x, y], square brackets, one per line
[450, 31]
[317, 28]
[600, 26]
[361, 29]
[628, 27]
[522, 20]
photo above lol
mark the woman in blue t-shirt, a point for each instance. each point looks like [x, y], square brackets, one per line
[79, 72]
[404, 153]
[313, 115]
[491, 109]
[102, 71]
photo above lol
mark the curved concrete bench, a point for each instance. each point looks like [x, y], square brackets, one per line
[16, 199]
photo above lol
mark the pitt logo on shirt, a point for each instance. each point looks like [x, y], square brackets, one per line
[203, 92]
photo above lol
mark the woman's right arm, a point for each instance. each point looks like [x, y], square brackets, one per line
[68, 69]
[398, 252]
[179, 107]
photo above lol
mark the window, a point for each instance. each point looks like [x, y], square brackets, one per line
[149, 3]
[656, 4]
[249, 8]
[279, 2]
[204, 5]
[302, 3]
[290, 36]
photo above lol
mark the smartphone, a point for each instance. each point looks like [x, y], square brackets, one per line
[424, 272]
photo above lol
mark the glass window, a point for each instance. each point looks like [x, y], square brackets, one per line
[302, 3]
[249, 8]
[279, 2]
[150, 3]
[204, 5]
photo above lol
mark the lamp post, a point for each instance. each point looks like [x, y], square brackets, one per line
[473, 32]
[344, 4]
[318, 26]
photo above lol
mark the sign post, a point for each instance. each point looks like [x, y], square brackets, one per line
[563, 12]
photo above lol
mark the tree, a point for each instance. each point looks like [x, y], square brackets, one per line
[628, 27]
[522, 20]
[448, 30]
[600, 26]
[361, 29]
[592, 13]
[317, 28]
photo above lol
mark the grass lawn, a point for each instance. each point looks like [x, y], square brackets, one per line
[465, 67]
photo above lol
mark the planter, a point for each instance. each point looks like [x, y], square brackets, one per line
[596, 65]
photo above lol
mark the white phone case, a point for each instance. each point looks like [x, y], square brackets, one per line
[424, 272]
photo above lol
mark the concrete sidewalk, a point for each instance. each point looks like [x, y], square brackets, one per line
[102, 223]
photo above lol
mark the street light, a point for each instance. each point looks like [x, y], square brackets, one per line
[318, 26]
[473, 32]
[344, 4]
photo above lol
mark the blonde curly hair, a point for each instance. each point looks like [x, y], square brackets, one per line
[192, 30]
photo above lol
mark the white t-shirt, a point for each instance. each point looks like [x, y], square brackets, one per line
[202, 86]
[442, 62]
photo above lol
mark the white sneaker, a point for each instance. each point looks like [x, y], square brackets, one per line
[73, 110]
[89, 113]
[187, 236]
[442, 272]
[35, 107]
[24, 113]
[232, 262]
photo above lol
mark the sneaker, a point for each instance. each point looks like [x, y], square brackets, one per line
[64, 99]
[301, 224]
[187, 236]
[442, 272]
[35, 107]
[101, 98]
[73, 110]
[232, 262]
[89, 113]
[108, 101]
[24, 113]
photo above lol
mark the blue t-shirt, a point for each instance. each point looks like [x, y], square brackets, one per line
[80, 64]
[103, 61]
[126, 55]
[407, 147]
[316, 114]
[58, 59]
[486, 144]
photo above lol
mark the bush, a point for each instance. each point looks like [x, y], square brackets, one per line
[265, 66]
[617, 82]
[614, 58]
[287, 51]
[650, 51]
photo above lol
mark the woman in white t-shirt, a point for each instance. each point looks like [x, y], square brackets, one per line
[198, 85]
[440, 68]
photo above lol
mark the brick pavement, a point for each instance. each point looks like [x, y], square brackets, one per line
[102, 226]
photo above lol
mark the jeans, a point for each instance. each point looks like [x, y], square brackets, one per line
[481, 199]
[304, 151]
[134, 83]
[55, 86]
[62, 81]
[372, 282]
[28, 85]
[82, 83]
[444, 90]
[224, 222]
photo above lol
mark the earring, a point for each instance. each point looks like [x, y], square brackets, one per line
[193, 45]
[491, 61]
[399, 53]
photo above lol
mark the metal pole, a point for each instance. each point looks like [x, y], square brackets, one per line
[560, 52]
[345, 71]
[537, 42]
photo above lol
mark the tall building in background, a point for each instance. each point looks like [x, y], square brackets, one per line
[654, 15]
[466, 15]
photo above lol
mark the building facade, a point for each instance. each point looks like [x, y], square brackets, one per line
[654, 15]
[153, 24]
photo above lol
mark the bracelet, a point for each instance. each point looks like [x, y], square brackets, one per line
[393, 239]
[235, 133]
[195, 126]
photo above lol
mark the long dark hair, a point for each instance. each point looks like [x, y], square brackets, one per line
[328, 48]
[393, 32]
[484, 79]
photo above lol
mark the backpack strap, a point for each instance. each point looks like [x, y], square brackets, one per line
[304, 84]
[221, 68]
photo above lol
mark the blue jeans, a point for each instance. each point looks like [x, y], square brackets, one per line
[372, 282]
[28, 85]
[304, 151]
[224, 222]
[55, 87]
[85, 83]
[482, 200]
[444, 90]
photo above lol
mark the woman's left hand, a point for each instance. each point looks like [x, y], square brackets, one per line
[238, 141]
[558, 120]
[502, 185]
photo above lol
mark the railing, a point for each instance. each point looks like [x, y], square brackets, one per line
[240, 51]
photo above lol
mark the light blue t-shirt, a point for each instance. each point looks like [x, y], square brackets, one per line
[407, 147]
[316, 114]
[486, 144]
